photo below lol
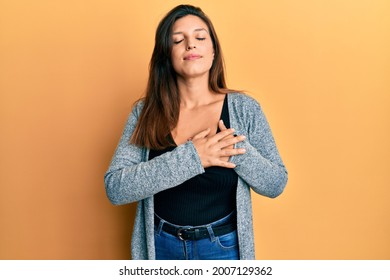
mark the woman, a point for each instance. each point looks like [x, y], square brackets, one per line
[191, 150]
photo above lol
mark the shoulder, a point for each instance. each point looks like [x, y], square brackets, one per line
[134, 114]
[137, 107]
[242, 103]
[243, 99]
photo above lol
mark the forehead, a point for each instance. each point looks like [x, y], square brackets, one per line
[189, 23]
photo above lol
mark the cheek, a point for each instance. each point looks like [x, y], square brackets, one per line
[175, 59]
[210, 52]
[210, 57]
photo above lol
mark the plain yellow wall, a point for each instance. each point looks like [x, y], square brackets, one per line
[70, 71]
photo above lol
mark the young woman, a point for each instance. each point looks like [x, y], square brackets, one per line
[192, 150]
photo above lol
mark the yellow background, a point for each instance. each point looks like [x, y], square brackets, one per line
[70, 71]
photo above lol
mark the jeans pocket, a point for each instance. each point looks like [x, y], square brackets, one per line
[228, 241]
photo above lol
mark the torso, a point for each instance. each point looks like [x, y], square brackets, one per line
[206, 197]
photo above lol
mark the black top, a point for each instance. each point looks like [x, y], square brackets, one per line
[202, 199]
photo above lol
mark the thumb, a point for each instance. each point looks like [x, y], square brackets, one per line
[221, 125]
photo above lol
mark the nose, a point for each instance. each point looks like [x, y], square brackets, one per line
[190, 46]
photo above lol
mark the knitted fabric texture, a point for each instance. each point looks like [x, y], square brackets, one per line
[131, 177]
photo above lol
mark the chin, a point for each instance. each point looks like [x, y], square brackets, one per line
[195, 74]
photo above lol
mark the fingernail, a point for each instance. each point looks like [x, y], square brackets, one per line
[221, 121]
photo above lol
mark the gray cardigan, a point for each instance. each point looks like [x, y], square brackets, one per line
[131, 177]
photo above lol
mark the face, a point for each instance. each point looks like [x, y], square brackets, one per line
[192, 51]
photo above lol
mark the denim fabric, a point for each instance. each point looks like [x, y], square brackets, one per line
[223, 247]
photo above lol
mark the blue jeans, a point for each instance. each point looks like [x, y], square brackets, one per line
[170, 247]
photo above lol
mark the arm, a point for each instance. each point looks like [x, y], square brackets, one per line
[261, 166]
[130, 179]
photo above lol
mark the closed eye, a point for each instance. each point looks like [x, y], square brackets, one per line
[178, 42]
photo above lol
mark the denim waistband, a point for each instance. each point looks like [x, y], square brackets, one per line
[230, 218]
[222, 226]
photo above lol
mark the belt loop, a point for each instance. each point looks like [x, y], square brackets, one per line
[160, 225]
[197, 234]
[211, 233]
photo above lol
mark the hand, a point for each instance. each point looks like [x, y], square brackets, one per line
[215, 150]
[222, 127]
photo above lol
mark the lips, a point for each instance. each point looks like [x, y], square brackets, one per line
[192, 57]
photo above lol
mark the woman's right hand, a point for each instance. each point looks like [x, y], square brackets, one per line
[216, 150]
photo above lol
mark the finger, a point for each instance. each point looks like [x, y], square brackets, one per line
[201, 134]
[225, 164]
[232, 152]
[220, 135]
[221, 125]
[230, 141]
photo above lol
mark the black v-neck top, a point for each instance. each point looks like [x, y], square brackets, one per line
[202, 199]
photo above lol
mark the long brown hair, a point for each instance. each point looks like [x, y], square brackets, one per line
[161, 107]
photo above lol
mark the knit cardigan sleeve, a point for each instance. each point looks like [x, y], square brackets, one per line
[261, 166]
[130, 177]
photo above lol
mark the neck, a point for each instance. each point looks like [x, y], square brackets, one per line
[194, 92]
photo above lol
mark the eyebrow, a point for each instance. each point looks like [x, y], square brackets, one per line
[196, 30]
